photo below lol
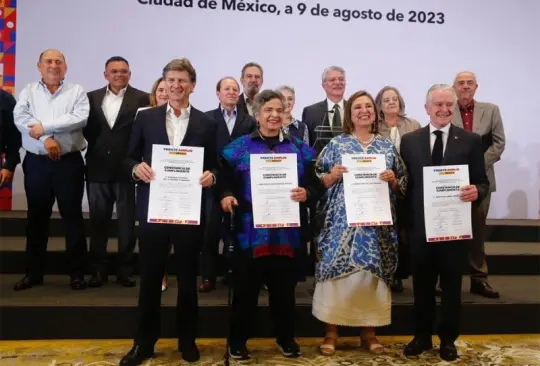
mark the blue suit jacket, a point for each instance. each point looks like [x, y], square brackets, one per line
[149, 128]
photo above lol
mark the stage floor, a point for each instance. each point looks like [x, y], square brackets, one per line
[56, 292]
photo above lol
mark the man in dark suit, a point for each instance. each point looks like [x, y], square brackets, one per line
[112, 111]
[232, 122]
[329, 112]
[176, 123]
[252, 80]
[439, 143]
[10, 139]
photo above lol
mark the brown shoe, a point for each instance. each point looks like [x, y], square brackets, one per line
[483, 288]
[207, 286]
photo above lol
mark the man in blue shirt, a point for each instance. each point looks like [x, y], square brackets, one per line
[50, 115]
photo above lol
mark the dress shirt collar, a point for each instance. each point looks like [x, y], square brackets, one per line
[184, 113]
[42, 83]
[225, 113]
[340, 104]
[120, 94]
[467, 108]
[445, 129]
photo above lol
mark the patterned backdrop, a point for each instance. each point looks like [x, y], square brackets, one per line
[8, 31]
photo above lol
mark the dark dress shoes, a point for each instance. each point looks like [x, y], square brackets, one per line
[189, 350]
[448, 351]
[417, 346]
[136, 356]
[207, 286]
[126, 281]
[483, 288]
[77, 282]
[97, 279]
[28, 282]
[397, 286]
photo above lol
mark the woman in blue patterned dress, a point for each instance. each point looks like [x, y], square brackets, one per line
[264, 255]
[355, 264]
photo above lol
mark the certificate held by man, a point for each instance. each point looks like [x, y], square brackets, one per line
[175, 191]
[367, 196]
[447, 217]
[273, 177]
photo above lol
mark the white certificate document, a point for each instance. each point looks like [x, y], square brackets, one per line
[446, 216]
[273, 176]
[367, 197]
[175, 191]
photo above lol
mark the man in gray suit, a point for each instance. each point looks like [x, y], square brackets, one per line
[485, 120]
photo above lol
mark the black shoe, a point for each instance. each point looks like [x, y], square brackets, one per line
[207, 286]
[239, 351]
[97, 279]
[77, 283]
[126, 281]
[417, 346]
[28, 282]
[448, 351]
[483, 288]
[289, 348]
[136, 356]
[397, 286]
[189, 350]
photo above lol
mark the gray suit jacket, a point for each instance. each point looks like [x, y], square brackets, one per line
[487, 123]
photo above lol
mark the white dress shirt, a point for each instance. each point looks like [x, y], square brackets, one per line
[433, 137]
[111, 105]
[249, 106]
[230, 121]
[177, 126]
[63, 116]
[341, 105]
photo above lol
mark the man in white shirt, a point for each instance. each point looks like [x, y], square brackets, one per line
[176, 123]
[112, 112]
[51, 114]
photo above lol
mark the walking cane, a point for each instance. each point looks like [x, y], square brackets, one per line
[229, 282]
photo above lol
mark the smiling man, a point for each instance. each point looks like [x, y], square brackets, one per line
[112, 111]
[439, 143]
[176, 123]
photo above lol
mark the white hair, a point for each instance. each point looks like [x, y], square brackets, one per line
[437, 87]
[331, 68]
[285, 87]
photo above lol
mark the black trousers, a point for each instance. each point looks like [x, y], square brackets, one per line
[280, 275]
[212, 234]
[154, 249]
[45, 181]
[101, 199]
[445, 260]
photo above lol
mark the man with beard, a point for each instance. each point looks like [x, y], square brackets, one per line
[330, 111]
[483, 119]
[112, 111]
[252, 80]
[439, 143]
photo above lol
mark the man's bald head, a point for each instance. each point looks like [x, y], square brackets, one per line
[52, 66]
[51, 51]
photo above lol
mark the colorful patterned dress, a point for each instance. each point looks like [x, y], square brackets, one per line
[355, 265]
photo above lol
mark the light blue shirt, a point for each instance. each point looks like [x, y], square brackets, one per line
[63, 116]
[229, 120]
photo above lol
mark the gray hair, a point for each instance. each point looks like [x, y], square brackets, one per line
[437, 87]
[378, 101]
[182, 64]
[332, 68]
[286, 87]
[264, 97]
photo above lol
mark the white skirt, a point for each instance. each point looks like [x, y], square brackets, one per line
[357, 300]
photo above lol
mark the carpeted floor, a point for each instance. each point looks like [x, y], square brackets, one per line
[474, 351]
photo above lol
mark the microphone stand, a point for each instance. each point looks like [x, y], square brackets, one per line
[226, 360]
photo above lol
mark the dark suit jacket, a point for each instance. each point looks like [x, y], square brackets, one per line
[241, 105]
[462, 147]
[245, 124]
[10, 137]
[107, 148]
[316, 115]
[150, 128]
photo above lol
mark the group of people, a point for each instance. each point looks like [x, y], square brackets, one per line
[357, 268]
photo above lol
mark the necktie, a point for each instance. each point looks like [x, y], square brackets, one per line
[437, 153]
[336, 120]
